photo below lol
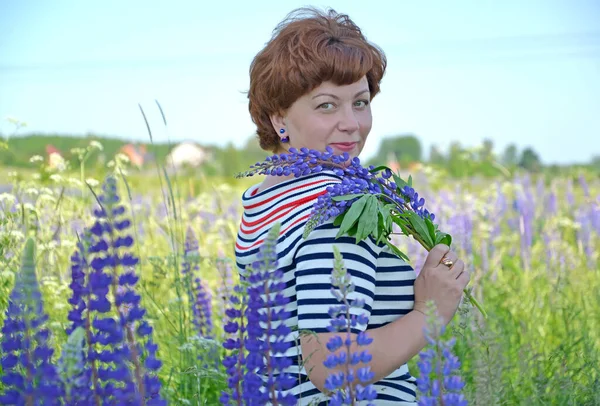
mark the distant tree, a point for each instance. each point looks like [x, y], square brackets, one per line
[595, 162]
[407, 148]
[487, 150]
[510, 155]
[530, 160]
[436, 157]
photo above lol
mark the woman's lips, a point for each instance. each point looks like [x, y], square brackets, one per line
[344, 146]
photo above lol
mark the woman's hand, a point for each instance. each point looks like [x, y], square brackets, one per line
[441, 284]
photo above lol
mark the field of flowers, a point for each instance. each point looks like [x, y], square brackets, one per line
[533, 245]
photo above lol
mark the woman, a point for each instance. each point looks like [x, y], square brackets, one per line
[311, 86]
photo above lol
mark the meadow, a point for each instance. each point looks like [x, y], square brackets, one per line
[532, 243]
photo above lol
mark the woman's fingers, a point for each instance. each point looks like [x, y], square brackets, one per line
[464, 278]
[457, 268]
[435, 256]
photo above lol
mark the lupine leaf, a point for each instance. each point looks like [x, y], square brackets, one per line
[338, 220]
[443, 238]
[419, 226]
[400, 183]
[431, 228]
[352, 216]
[346, 197]
[396, 251]
[380, 168]
[368, 219]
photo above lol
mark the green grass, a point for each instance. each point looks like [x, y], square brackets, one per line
[539, 346]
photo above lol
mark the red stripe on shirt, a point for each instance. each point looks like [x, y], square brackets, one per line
[292, 204]
[239, 247]
[251, 206]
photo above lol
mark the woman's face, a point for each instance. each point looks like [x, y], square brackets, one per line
[338, 116]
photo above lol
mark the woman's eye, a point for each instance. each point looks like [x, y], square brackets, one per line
[326, 106]
[361, 103]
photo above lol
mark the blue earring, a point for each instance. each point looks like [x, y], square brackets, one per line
[284, 139]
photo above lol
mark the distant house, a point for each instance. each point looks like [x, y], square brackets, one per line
[137, 154]
[55, 158]
[186, 153]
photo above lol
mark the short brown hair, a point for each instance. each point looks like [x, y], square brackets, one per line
[307, 48]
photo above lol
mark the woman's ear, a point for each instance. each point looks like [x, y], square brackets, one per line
[278, 122]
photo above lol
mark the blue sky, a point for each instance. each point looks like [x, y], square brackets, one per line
[523, 72]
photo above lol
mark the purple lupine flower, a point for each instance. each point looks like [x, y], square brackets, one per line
[224, 287]
[121, 354]
[439, 382]
[355, 179]
[202, 308]
[199, 295]
[569, 194]
[72, 368]
[595, 215]
[235, 361]
[584, 185]
[28, 373]
[347, 382]
[261, 376]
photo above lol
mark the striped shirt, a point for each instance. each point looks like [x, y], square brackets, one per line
[382, 280]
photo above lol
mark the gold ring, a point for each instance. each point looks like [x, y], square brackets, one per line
[447, 262]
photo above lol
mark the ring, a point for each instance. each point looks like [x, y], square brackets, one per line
[447, 262]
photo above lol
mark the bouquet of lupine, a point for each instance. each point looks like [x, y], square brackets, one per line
[367, 202]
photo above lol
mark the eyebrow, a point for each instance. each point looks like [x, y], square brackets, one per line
[337, 98]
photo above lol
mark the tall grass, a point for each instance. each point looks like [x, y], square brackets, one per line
[532, 244]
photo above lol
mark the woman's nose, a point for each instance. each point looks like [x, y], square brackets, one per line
[348, 121]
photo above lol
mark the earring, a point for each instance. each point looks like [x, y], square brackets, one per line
[284, 139]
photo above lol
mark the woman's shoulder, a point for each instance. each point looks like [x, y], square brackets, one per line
[274, 187]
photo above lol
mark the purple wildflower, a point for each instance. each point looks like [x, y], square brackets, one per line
[260, 375]
[121, 354]
[235, 361]
[347, 383]
[198, 292]
[439, 381]
[28, 374]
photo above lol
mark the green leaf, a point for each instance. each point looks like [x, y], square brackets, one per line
[400, 183]
[380, 168]
[420, 228]
[339, 218]
[396, 251]
[352, 215]
[346, 197]
[399, 220]
[430, 228]
[443, 238]
[410, 180]
[368, 219]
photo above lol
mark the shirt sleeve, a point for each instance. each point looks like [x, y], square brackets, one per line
[314, 264]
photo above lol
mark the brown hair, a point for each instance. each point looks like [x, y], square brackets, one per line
[307, 48]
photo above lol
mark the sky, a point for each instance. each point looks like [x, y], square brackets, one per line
[517, 72]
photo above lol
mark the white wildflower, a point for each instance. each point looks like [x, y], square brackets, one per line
[8, 198]
[36, 158]
[30, 207]
[92, 182]
[74, 182]
[55, 177]
[95, 145]
[16, 234]
[32, 191]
